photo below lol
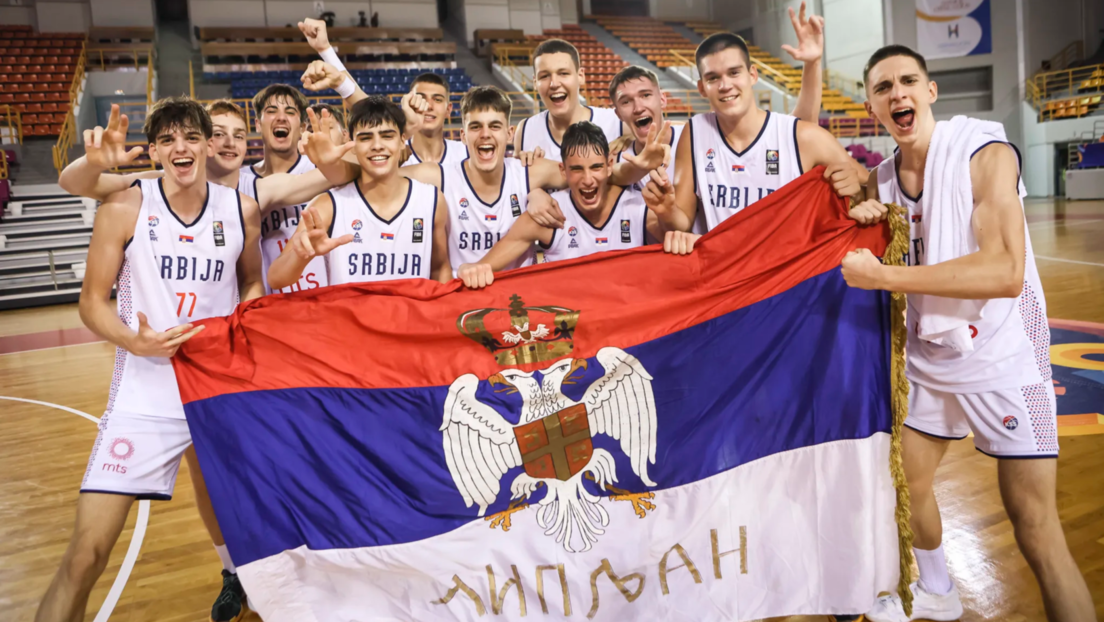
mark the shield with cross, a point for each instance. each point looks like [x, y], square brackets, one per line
[557, 446]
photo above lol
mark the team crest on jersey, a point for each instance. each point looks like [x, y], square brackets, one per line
[153, 220]
[626, 235]
[357, 225]
[419, 225]
[1011, 422]
[217, 230]
[572, 231]
[464, 203]
[709, 168]
[463, 215]
[709, 155]
[515, 206]
[772, 155]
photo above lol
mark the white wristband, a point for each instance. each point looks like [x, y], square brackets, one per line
[330, 56]
[346, 88]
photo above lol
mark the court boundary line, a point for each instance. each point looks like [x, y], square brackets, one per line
[64, 345]
[1080, 263]
[1056, 222]
[140, 524]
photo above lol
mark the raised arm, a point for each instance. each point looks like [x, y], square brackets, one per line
[441, 269]
[111, 233]
[996, 270]
[810, 48]
[336, 162]
[521, 237]
[250, 272]
[104, 149]
[319, 78]
[674, 202]
[311, 238]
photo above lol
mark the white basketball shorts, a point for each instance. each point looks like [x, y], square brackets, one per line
[136, 455]
[1009, 423]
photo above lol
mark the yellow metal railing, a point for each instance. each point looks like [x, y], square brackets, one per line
[191, 80]
[68, 134]
[851, 127]
[1072, 83]
[12, 121]
[506, 57]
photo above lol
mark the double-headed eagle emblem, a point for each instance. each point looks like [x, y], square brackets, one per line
[553, 439]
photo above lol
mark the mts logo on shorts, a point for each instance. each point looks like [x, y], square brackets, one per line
[121, 449]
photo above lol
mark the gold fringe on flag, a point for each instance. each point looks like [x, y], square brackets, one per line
[894, 256]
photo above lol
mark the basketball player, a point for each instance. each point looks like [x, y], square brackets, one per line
[600, 216]
[426, 114]
[382, 226]
[485, 194]
[738, 153]
[179, 248]
[1001, 389]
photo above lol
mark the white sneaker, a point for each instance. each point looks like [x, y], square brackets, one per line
[925, 606]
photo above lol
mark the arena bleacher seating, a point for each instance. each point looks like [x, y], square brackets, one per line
[36, 73]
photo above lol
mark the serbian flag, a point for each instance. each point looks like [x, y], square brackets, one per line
[626, 436]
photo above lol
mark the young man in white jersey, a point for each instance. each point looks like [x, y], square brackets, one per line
[997, 381]
[738, 153]
[179, 248]
[487, 193]
[559, 78]
[428, 105]
[381, 227]
[600, 215]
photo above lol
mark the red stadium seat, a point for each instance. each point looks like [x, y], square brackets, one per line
[34, 107]
[6, 98]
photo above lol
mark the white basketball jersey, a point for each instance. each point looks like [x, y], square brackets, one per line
[537, 133]
[623, 229]
[475, 225]
[278, 225]
[455, 151]
[174, 273]
[727, 181]
[382, 250]
[1012, 338]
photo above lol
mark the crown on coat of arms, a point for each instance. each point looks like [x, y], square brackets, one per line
[519, 334]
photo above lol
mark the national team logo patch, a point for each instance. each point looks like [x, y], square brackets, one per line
[915, 218]
[626, 235]
[490, 217]
[572, 231]
[419, 225]
[772, 155]
[1011, 422]
[625, 225]
[515, 206]
[709, 168]
[601, 241]
[387, 236]
[186, 239]
[217, 230]
[357, 225]
[153, 220]
[709, 155]
[464, 203]
[121, 448]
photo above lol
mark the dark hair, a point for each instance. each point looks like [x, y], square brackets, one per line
[890, 51]
[376, 110]
[481, 98]
[719, 42]
[225, 106]
[632, 72]
[556, 46]
[430, 78]
[582, 137]
[260, 100]
[173, 113]
[335, 111]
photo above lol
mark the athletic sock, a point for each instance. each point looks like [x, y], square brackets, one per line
[934, 578]
[224, 555]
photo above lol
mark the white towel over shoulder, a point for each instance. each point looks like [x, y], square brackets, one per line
[948, 231]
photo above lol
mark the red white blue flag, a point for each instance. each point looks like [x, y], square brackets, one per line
[626, 436]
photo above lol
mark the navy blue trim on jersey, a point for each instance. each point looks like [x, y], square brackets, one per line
[206, 200]
[148, 496]
[693, 158]
[1022, 456]
[126, 244]
[945, 438]
[524, 125]
[527, 188]
[797, 149]
[548, 127]
[550, 242]
[609, 217]
[501, 184]
[241, 215]
[409, 191]
[333, 215]
[900, 186]
[1019, 160]
[441, 167]
[410, 145]
[433, 228]
[256, 192]
[740, 154]
[137, 182]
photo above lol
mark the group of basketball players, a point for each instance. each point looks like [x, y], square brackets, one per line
[391, 198]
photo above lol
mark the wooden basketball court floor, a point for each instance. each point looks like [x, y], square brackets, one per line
[165, 569]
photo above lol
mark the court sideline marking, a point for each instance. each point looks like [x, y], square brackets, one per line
[135, 540]
[1082, 263]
